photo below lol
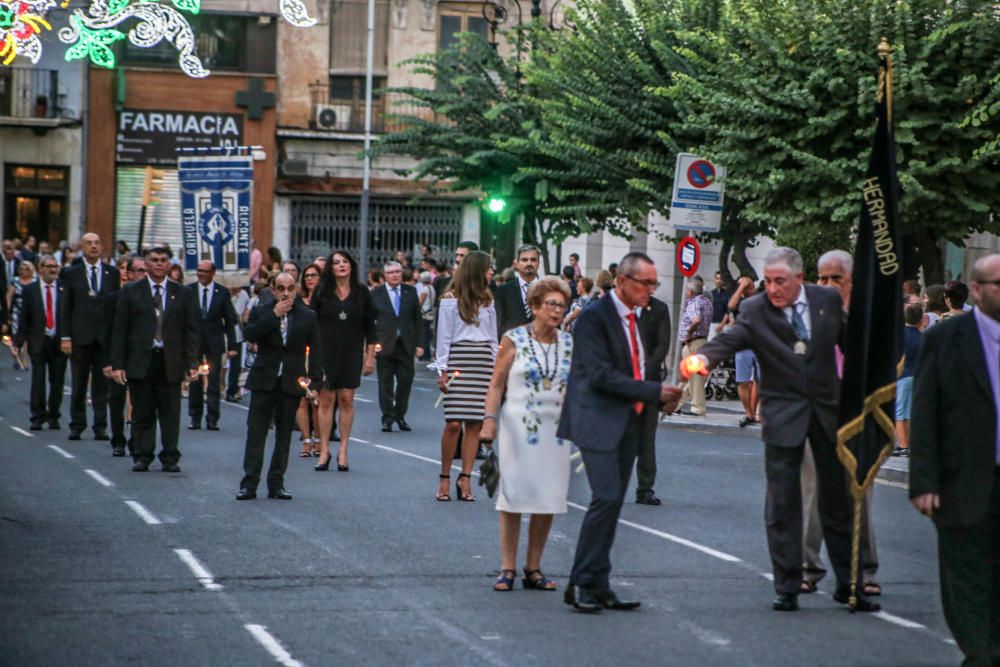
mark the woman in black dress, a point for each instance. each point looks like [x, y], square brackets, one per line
[347, 329]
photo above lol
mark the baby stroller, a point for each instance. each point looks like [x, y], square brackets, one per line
[721, 383]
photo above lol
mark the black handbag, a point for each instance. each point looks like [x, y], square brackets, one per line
[489, 473]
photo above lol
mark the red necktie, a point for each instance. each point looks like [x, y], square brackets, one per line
[50, 317]
[636, 371]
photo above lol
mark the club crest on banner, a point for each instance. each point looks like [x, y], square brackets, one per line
[216, 208]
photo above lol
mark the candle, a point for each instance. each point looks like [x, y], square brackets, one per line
[10, 343]
[378, 348]
[694, 365]
[454, 376]
[307, 361]
[203, 367]
[304, 383]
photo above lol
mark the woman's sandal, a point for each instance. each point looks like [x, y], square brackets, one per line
[505, 582]
[307, 444]
[465, 498]
[537, 583]
[444, 497]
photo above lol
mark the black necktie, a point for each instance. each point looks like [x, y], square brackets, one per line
[158, 305]
[524, 297]
[799, 324]
[93, 278]
[204, 301]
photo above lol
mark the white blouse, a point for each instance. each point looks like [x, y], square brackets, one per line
[451, 329]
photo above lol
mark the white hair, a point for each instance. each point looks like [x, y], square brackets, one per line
[391, 265]
[841, 257]
[788, 257]
[696, 286]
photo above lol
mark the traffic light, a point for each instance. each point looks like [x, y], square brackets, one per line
[152, 186]
[496, 204]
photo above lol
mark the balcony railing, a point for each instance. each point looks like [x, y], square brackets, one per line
[29, 93]
[348, 115]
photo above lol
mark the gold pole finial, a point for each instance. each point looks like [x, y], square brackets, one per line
[884, 50]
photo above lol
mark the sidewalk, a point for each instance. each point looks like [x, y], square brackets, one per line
[725, 416]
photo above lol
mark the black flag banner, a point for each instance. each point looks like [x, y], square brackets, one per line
[873, 345]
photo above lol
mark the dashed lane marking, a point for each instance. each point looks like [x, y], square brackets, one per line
[22, 431]
[272, 645]
[143, 513]
[101, 479]
[61, 452]
[205, 577]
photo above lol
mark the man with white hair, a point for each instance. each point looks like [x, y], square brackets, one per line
[794, 330]
[692, 334]
[399, 327]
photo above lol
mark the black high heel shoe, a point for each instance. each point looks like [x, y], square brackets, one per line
[320, 467]
[465, 498]
[343, 468]
[444, 497]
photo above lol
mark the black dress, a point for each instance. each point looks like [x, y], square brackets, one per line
[345, 327]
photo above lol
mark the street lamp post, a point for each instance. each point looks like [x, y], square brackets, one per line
[365, 185]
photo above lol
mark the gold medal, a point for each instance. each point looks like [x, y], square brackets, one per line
[800, 347]
[547, 384]
[343, 315]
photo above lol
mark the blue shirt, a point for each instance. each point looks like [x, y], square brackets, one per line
[989, 336]
[912, 337]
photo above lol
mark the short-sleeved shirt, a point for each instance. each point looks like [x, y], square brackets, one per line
[912, 338]
[720, 303]
[697, 306]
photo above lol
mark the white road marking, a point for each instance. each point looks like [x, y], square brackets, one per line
[205, 577]
[272, 645]
[236, 405]
[359, 399]
[101, 479]
[887, 482]
[143, 513]
[363, 442]
[410, 454]
[897, 620]
[22, 431]
[62, 452]
[705, 635]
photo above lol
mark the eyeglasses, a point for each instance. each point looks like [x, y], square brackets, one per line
[50, 266]
[648, 284]
[312, 275]
[554, 305]
[203, 271]
[279, 288]
[138, 270]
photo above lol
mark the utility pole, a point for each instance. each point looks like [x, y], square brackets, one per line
[365, 189]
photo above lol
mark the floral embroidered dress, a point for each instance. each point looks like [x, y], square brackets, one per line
[534, 463]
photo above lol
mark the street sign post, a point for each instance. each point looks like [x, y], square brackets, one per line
[688, 256]
[696, 203]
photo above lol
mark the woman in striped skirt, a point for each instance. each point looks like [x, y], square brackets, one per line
[466, 350]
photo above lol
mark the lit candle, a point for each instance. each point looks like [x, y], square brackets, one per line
[203, 367]
[454, 376]
[378, 348]
[694, 365]
[304, 383]
[307, 360]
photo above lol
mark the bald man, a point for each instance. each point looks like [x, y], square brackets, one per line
[217, 336]
[90, 292]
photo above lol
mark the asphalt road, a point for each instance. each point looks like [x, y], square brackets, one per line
[103, 566]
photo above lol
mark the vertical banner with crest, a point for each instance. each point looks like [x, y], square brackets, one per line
[216, 210]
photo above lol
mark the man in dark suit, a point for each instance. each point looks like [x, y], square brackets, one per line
[39, 327]
[654, 328]
[603, 413]
[511, 298]
[217, 334]
[90, 289]
[793, 329]
[399, 327]
[955, 462]
[154, 348]
[10, 263]
[282, 330]
[135, 269]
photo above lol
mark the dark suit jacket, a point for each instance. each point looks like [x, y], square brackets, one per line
[135, 327]
[31, 326]
[86, 319]
[792, 386]
[654, 328]
[264, 329]
[510, 307]
[954, 424]
[601, 390]
[410, 322]
[217, 329]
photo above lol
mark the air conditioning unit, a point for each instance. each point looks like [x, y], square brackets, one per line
[333, 117]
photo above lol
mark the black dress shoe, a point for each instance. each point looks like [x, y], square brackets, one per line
[583, 600]
[610, 600]
[279, 494]
[786, 602]
[246, 494]
[54, 425]
[386, 426]
[101, 435]
[843, 596]
[118, 451]
[403, 426]
[74, 435]
[171, 467]
[140, 467]
[647, 498]
[194, 426]
[212, 426]
[35, 426]
[233, 399]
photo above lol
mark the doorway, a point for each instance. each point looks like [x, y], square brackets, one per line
[35, 201]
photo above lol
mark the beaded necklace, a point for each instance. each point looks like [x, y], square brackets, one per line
[548, 375]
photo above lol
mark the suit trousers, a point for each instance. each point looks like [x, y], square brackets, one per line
[155, 401]
[812, 537]
[395, 380]
[969, 562]
[608, 473]
[645, 464]
[86, 369]
[205, 402]
[694, 389]
[50, 363]
[233, 374]
[783, 510]
[265, 405]
[117, 406]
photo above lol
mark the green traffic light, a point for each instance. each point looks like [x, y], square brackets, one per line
[496, 205]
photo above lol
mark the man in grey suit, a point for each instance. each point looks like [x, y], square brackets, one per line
[793, 329]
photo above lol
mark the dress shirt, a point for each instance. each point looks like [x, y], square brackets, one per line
[163, 301]
[699, 306]
[452, 328]
[87, 266]
[623, 312]
[55, 304]
[803, 310]
[989, 336]
[202, 289]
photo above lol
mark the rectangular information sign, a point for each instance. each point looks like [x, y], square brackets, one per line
[696, 204]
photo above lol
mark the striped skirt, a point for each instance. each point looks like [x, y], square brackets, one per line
[466, 397]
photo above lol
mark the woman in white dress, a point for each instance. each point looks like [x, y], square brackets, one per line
[531, 371]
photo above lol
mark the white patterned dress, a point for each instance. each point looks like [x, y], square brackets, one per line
[534, 463]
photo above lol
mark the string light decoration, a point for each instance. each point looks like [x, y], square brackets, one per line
[21, 22]
[295, 13]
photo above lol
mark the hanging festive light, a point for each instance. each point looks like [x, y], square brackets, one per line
[295, 13]
[21, 21]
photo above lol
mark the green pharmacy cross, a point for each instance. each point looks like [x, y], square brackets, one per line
[255, 99]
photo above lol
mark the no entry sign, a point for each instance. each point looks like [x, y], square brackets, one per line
[688, 256]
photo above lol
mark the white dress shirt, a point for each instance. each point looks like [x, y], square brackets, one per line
[623, 312]
[202, 289]
[99, 273]
[55, 304]
[452, 329]
[163, 300]
[802, 304]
